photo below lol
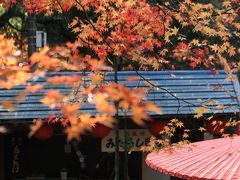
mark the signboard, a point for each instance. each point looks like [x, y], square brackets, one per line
[135, 139]
[41, 39]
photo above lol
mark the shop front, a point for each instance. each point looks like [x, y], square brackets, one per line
[51, 156]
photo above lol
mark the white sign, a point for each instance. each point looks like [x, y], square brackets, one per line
[135, 139]
[41, 39]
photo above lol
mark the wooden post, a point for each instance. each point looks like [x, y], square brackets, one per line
[2, 168]
[116, 157]
[125, 150]
[31, 34]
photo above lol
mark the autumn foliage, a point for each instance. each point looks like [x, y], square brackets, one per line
[122, 35]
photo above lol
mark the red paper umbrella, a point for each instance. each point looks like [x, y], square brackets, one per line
[216, 128]
[156, 127]
[43, 133]
[100, 131]
[217, 159]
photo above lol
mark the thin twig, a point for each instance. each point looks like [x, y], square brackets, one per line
[156, 86]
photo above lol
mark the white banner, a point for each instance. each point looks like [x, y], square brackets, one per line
[135, 139]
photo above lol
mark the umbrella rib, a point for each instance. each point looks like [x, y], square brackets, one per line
[219, 165]
[200, 165]
[233, 171]
[230, 163]
[156, 166]
[196, 157]
[204, 173]
[184, 154]
[213, 159]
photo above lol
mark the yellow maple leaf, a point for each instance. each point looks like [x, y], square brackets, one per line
[167, 37]
[179, 124]
[209, 118]
[74, 132]
[96, 78]
[174, 31]
[215, 48]
[105, 119]
[52, 99]
[102, 103]
[139, 114]
[195, 42]
[69, 110]
[202, 129]
[87, 121]
[174, 120]
[200, 111]
[153, 108]
[163, 52]
[185, 135]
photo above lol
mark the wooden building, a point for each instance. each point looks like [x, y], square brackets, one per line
[176, 92]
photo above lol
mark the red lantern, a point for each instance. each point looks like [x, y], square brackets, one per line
[217, 127]
[43, 133]
[238, 129]
[157, 126]
[100, 131]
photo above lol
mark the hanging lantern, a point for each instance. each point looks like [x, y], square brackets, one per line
[43, 133]
[217, 128]
[238, 129]
[100, 131]
[156, 127]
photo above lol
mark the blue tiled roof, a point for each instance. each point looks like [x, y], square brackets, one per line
[188, 86]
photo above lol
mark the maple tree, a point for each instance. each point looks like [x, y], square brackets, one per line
[123, 35]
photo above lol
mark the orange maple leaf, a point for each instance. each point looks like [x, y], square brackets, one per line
[34, 88]
[52, 98]
[102, 104]
[64, 79]
[8, 104]
[37, 123]
[70, 110]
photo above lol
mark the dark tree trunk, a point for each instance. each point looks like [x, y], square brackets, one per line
[116, 165]
[31, 34]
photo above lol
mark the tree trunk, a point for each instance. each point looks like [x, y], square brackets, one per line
[31, 34]
[116, 165]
